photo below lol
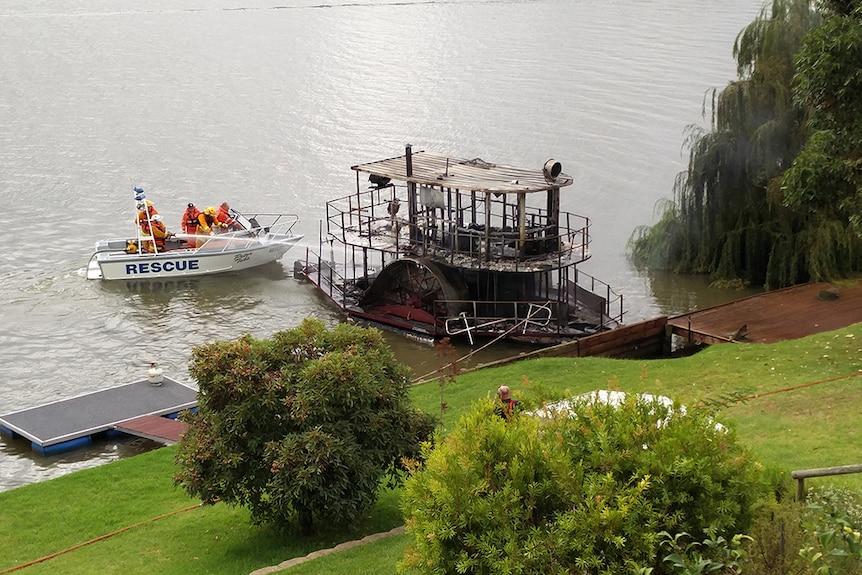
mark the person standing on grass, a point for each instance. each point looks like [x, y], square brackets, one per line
[506, 406]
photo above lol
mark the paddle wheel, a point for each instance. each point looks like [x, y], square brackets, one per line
[415, 289]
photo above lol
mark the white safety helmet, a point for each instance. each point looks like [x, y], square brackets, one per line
[156, 218]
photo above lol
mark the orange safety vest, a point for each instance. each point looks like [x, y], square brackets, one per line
[223, 217]
[143, 214]
[157, 230]
[190, 220]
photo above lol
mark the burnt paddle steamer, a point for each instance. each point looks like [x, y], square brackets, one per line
[447, 247]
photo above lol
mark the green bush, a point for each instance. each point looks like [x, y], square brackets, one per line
[588, 492]
[299, 427]
[832, 522]
[818, 537]
[777, 535]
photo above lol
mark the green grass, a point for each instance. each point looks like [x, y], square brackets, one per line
[796, 419]
[44, 518]
[787, 428]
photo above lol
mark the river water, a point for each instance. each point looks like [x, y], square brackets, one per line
[267, 105]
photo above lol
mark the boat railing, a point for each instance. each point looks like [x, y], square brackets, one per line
[325, 275]
[466, 235]
[259, 227]
[460, 317]
[598, 295]
[273, 224]
[586, 300]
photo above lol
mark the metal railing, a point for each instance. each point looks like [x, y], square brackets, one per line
[482, 238]
[606, 305]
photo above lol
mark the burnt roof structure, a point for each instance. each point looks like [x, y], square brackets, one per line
[476, 175]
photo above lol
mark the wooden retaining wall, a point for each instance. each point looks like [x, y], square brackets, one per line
[643, 340]
[646, 339]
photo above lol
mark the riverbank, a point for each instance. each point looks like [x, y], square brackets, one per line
[796, 398]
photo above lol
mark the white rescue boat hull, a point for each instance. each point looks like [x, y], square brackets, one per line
[256, 245]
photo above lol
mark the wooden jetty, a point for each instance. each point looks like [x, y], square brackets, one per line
[768, 317]
[165, 430]
[136, 408]
[777, 315]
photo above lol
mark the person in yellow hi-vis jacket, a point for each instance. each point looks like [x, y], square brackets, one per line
[206, 222]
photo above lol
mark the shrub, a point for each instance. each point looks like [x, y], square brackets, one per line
[777, 536]
[589, 492]
[832, 522]
[299, 427]
[817, 537]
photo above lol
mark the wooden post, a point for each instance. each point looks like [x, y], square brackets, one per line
[522, 221]
[802, 474]
[412, 208]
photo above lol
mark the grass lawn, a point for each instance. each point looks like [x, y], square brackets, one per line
[801, 411]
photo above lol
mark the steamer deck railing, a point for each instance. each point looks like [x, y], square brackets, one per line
[485, 317]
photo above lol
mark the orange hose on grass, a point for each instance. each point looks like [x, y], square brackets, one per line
[795, 387]
[100, 538]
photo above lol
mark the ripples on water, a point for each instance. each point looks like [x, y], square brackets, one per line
[267, 105]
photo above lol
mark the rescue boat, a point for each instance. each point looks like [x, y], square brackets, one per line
[257, 239]
[439, 246]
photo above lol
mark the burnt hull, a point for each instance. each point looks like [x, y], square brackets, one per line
[418, 296]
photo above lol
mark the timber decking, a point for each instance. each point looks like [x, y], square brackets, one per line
[773, 316]
[162, 429]
[71, 420]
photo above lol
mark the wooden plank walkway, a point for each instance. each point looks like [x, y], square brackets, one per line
[154, 427]
[777, 315]
[70, 423]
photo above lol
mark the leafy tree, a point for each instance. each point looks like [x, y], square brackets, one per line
[587, 493]
[738, 213]
[302, 426]
[825, 180]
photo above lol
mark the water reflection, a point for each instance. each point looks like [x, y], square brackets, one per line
[22, 465]
[674, 294]
[206, 291]
[186, 303]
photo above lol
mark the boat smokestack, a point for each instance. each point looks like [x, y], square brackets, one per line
[552, 169]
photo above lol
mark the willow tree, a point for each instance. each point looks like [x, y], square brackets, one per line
[723, 219]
